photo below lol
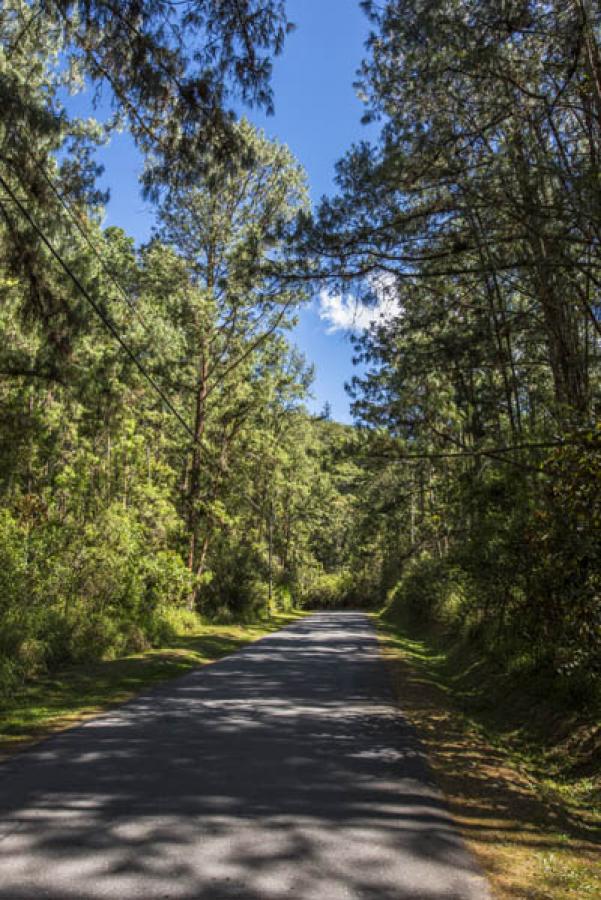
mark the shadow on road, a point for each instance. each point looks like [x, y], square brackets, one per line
[282, 771]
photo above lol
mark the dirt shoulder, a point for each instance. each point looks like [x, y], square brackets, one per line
[533, 840]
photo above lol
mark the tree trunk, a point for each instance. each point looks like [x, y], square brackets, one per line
[195, 469]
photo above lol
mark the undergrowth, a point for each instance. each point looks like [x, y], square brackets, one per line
[50, 702]
[519, 762]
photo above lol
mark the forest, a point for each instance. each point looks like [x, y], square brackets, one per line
[158, 460]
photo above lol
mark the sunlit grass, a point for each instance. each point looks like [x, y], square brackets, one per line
[51, 703]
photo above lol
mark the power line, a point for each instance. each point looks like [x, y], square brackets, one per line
[458, 454]
[83, 232]
[88, 297]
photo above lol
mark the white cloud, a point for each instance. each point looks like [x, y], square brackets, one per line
[346, 313]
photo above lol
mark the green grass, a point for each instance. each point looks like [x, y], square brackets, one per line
[57, 701]
[519, 763]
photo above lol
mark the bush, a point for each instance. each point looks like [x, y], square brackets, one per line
[238, 589]
[333, 590]
[178, 620]
[14, 540]
[69, 595]
[431, 589]
[283, 598]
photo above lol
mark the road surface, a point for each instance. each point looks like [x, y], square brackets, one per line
[283, 771]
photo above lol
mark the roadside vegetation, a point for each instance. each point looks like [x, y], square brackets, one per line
[53, 702]
[157, 456]
[518, 761]
[473, 222]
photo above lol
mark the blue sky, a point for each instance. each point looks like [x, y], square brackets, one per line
[318, 115]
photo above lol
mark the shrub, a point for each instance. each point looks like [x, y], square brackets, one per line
[70, 595]
[238, 589]
[283, 598]
[331, 590]
[431, 589]
[179, 620]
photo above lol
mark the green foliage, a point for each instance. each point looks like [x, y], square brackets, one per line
[283, 599]
[430, 589]
[43, 704]
[238, 586]
[327, 590]
[564, 546]
[70, 596]
[115, 527]
[460, 223]
[474, 221]
[343, 588]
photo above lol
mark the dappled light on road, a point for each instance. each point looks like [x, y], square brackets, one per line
[282, 771]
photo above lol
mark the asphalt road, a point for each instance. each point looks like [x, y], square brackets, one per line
[283, 771]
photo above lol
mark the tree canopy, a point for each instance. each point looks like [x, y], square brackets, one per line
[158, 457]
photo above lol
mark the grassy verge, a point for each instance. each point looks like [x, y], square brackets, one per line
[52, 703]
[520, 771]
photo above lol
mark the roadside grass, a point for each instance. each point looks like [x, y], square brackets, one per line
[57, 701]
[520, 771]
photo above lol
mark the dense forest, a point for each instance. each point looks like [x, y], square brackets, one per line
[158, 461]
